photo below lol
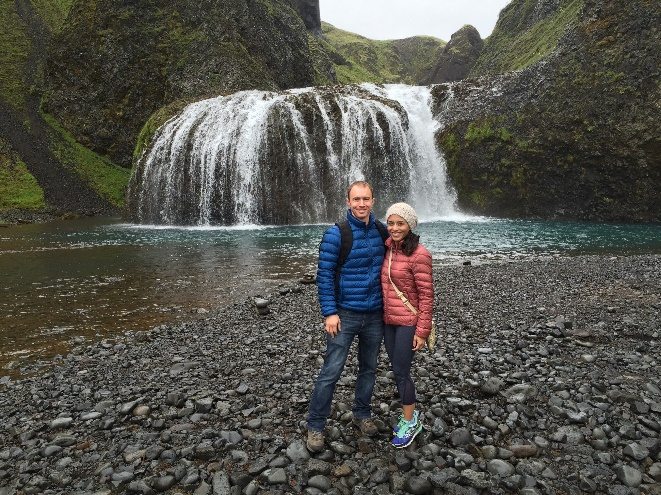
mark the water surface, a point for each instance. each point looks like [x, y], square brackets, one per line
[93, 278]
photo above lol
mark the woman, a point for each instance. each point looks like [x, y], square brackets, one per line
[408, 297]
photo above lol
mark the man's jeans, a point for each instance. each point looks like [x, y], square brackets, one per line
[368, 327]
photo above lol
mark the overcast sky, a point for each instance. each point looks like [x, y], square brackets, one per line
[395, 19]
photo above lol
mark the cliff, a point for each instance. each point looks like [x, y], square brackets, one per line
[574, 135]
[458, 57]
[358, 59]
[115, 63]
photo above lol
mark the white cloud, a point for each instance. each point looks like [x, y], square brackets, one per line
[395, 19]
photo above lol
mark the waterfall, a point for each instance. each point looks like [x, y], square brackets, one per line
[258, 157]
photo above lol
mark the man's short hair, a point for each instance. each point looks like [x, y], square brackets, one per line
[361, 183]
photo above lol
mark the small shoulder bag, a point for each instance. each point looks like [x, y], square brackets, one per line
[431, 339]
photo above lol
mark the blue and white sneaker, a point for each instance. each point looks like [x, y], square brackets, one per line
[401, 421]
[407, 432]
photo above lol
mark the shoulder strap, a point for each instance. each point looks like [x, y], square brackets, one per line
[346, 241]
[399, 293]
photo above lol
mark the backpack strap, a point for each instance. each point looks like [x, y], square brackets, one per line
[346, 241]
[346, 238]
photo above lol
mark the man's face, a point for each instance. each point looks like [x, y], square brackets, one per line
[360, 202]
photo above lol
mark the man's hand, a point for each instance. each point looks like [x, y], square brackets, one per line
[418, 343]
[332, 325]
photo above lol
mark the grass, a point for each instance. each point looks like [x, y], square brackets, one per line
[358, 59]
[18, 187]
[14, 49]
[106, 178]
[53, 12]
[511, 48]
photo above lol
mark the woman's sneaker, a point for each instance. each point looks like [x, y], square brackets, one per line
[401, 421]
[406, 433]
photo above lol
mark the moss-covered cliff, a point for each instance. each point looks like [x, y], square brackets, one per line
[576, 135]
[42, 174]
[526, 32]
[116, 62]
[358, 59]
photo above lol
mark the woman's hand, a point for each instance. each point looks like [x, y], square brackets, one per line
[418, 343]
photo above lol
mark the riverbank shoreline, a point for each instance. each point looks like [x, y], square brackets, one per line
[545, 381]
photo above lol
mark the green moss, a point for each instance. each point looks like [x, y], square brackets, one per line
[106, 178]
[14, 49]
[52, 12]
[514, 47]
[158, 118]
[484, 130]
[18, 187]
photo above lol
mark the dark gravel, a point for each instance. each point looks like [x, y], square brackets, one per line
[546, 381]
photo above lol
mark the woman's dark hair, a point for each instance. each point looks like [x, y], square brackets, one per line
[409, 243]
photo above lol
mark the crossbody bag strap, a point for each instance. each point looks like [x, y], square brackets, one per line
[399, 293]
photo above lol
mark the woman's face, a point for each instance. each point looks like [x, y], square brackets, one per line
[397, 227]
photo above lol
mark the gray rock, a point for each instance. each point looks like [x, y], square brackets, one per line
[655, 471]
[203, 489]
[636, 451]
[163, 483]
[60, 423]
[277, 476]
[629, 476]
[520, 393]
[475, 479]
[297, 452]
[220, 483]
[418, 485]
[320, 482]
[461, 436]
[500, 468]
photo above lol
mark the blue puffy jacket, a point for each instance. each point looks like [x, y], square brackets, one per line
[359, 285]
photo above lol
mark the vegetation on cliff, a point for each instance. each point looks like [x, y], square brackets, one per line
[577, 136]
[526, 32]
[18, 187]
[358, 59]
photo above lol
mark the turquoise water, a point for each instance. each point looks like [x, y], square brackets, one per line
[92, 278]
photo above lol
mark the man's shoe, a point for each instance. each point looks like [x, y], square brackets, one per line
[366, 426]
[406, 433]
[315, 442]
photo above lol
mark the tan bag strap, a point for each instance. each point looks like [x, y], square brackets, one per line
[399, 293]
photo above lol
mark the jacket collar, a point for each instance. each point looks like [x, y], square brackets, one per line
[359, 223]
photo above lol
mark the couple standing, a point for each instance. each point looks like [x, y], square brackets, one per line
[358, 295]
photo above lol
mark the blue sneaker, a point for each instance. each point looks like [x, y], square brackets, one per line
[406, 433]
[401, 421]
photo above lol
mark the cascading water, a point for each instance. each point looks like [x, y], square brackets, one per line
[260, 157]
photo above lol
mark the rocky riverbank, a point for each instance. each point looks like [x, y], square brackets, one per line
[546, 380]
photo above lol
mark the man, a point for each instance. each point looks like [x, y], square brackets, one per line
[352, 304]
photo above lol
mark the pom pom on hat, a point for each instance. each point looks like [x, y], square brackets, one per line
[405, 211]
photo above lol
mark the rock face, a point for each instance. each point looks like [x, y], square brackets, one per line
[115, 63]
[309, 12]
[526, 32]
[576, 135]
[458, 56]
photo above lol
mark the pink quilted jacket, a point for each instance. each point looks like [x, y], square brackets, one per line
[413, 276]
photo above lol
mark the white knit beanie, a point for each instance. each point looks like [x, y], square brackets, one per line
[405, 211]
